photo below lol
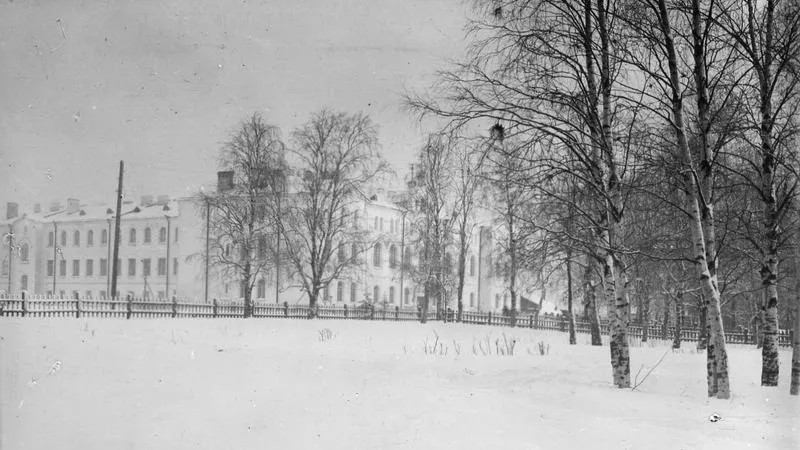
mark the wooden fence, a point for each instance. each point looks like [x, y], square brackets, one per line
[136, 308]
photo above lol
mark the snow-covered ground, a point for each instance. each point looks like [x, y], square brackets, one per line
[234, 384]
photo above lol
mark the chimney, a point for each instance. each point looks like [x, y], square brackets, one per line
[73, 204]
[162, 199]
[147, 200]
[55, 206]
[12, 210]
[37, 208]
[224, 181]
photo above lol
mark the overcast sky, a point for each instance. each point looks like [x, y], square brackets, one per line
[160, 84]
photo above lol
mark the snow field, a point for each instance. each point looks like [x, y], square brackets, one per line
[286, 384]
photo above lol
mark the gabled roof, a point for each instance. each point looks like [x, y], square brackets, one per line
[93, 213]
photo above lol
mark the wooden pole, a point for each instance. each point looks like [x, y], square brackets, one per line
[55, 255]
[166, 292]
[115, 269]
[208, 255]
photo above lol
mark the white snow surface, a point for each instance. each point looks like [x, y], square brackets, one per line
[263, 384]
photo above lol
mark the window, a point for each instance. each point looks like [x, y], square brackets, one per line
[342, 253]
[391, 294]
[61, 293]
[472, 265]
[147, 235]
[391, 226]
[174, 266]
[375, 294]
[352, 292]
[131, 267]
[50, 239]
[90, 237]
[62, 268]
[261, 292]
[76, 267]
[407, 258]
[162, 266]
[353, 252]
[505, 299]
[132, 236]
[407, 297]
[392, 256]
[375, 226]
[23, 283]
[104, 237]
[146, 267]
[102, 295]
[496, 301]
[471, 299]
[448, 263]
[326, 294]
[103, 267]
[339, 292]
[175, 239]
[63, 238]
[24, 252]
[76, 238]
[162, 235]
[89, 267]
[381, 224]
[262, 247]
[376, 255]
[50, 267]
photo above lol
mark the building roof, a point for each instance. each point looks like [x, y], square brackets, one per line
[93, 213]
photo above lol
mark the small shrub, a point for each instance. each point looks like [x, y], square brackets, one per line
[544, 349]
[325, 335]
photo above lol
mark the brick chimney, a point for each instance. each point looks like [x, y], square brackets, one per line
[12, 210]
[146, 200]
[55, 206]
[73, 205]
[224, 181]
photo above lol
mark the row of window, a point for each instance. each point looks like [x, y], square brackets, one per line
[394, 225]
[377, 258]
[89, 295]
[132, 237]
[89, 267]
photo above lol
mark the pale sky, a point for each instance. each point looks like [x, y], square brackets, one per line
[160, 84]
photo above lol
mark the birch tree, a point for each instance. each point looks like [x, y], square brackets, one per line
[336, 157]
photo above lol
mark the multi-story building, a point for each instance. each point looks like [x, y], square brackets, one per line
[67, 251]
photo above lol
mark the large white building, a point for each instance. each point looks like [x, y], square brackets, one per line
[66, 251]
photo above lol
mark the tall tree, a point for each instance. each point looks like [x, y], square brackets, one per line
[767, 35]
[336, 156]
[241, 220]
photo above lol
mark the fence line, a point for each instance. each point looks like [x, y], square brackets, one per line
[137, 308]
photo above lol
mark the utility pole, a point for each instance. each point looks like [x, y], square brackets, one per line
[208, 256]
[168, 236]
[55, 255]
[108, 261]
[278, 251]
[10, 255]
[115, 269]
[402, 257]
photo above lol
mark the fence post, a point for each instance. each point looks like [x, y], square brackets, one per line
[174, 307]
[77, 306]
[129, 306]
[396, 313]
[561, 323]
[214, 307]
[24, 305]
[286, 309]
[489, 319]
[345, 310]
[372, 312]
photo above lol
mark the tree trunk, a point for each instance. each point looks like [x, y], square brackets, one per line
[572, 338]
[665, 324]
[646, 318]
[590, 303]
[676, 339]
[620, 353]
[794, 388]
[718, 380]
[702, 336]
[247, 294]
[760, 323]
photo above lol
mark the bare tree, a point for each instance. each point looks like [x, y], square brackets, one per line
[336, 158]
[240, 224]
[767, 35]
[465, 189]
